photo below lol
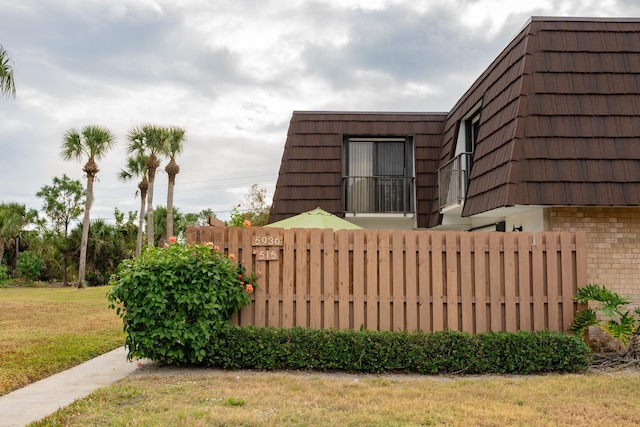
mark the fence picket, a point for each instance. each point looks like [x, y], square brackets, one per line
[315, 270]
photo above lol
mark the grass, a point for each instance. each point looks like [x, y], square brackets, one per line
[217, 398]
[47, 330]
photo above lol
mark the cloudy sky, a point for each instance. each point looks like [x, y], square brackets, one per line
[231, 73]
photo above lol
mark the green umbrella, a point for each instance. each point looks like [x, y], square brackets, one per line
[316, 218]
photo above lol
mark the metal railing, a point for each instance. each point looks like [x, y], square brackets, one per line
[378, 194]
[453, 178]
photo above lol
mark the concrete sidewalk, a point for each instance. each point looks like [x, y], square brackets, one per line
[42, 398]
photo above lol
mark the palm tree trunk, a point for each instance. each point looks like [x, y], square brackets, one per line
[85, 232]
[172, 184]
[150, 225]
[143, 200]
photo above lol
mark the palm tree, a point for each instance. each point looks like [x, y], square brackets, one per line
[13, 218]
[149, 141]
[174, 147]
[92, 143]
[137, 167]
[7, 85]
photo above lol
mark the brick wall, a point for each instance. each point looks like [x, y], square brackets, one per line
[613, 245]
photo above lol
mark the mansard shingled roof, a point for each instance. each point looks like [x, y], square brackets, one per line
[559, 123]
[311, 169]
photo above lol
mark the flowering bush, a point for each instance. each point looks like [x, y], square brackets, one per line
[238, 219]
[175, 300]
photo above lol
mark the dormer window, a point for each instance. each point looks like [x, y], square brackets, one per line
[453, 177]
[378, 175]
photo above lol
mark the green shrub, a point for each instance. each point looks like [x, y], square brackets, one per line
[379, 351]
[610, 313]
[30, 266]
[175, 300]
[4, 273]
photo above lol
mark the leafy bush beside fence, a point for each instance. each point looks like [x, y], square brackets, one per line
[174, 300]
[383, 351]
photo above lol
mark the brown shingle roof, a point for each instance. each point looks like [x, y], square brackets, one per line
[559, 122]
[311, 169]
[559, 125]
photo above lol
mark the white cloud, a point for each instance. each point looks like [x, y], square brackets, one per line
[231, 73]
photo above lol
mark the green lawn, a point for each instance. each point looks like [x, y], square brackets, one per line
[47, 330]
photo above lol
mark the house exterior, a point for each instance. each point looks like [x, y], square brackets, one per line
[546, 139]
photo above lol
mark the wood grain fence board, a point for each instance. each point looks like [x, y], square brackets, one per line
[424, 281]
[397, 280]
[524, 280]
[553, 293]
[411, 281]
[288, 278]
[438, 281]
[315, 276]
[581, 266]
[567, 244]
[466, 283]
[384, 280]
[510, 313]
[342, 237]
[273, 271]
[248, 261]
[302, 277]
[538, 281]
[371, 237]
[451, 287]
[233, 241]
[495, 281]
[329, 274]
[358, 280]
[480, 260]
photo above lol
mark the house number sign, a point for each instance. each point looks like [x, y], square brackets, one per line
[263, 247]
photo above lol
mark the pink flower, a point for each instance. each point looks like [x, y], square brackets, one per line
[249, 289]
[166, 245]
[246, 223]
[259, 273]
[216, 248]
[240, 276]
[232, 256]
[172, 239]
[254, 252]
[208, 244]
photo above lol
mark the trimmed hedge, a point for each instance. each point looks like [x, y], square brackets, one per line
[448, 352]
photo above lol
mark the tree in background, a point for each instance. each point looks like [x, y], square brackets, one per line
[179, 224]
[256, 212]
[92, 143]
[107, 246]
[62, 203]
[7, 84]
[175, 142]
[14, 217]
[258, 208]
[137, 168]
[151, 142]
[200, 219]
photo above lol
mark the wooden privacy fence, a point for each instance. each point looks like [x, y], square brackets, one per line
[407, 280]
